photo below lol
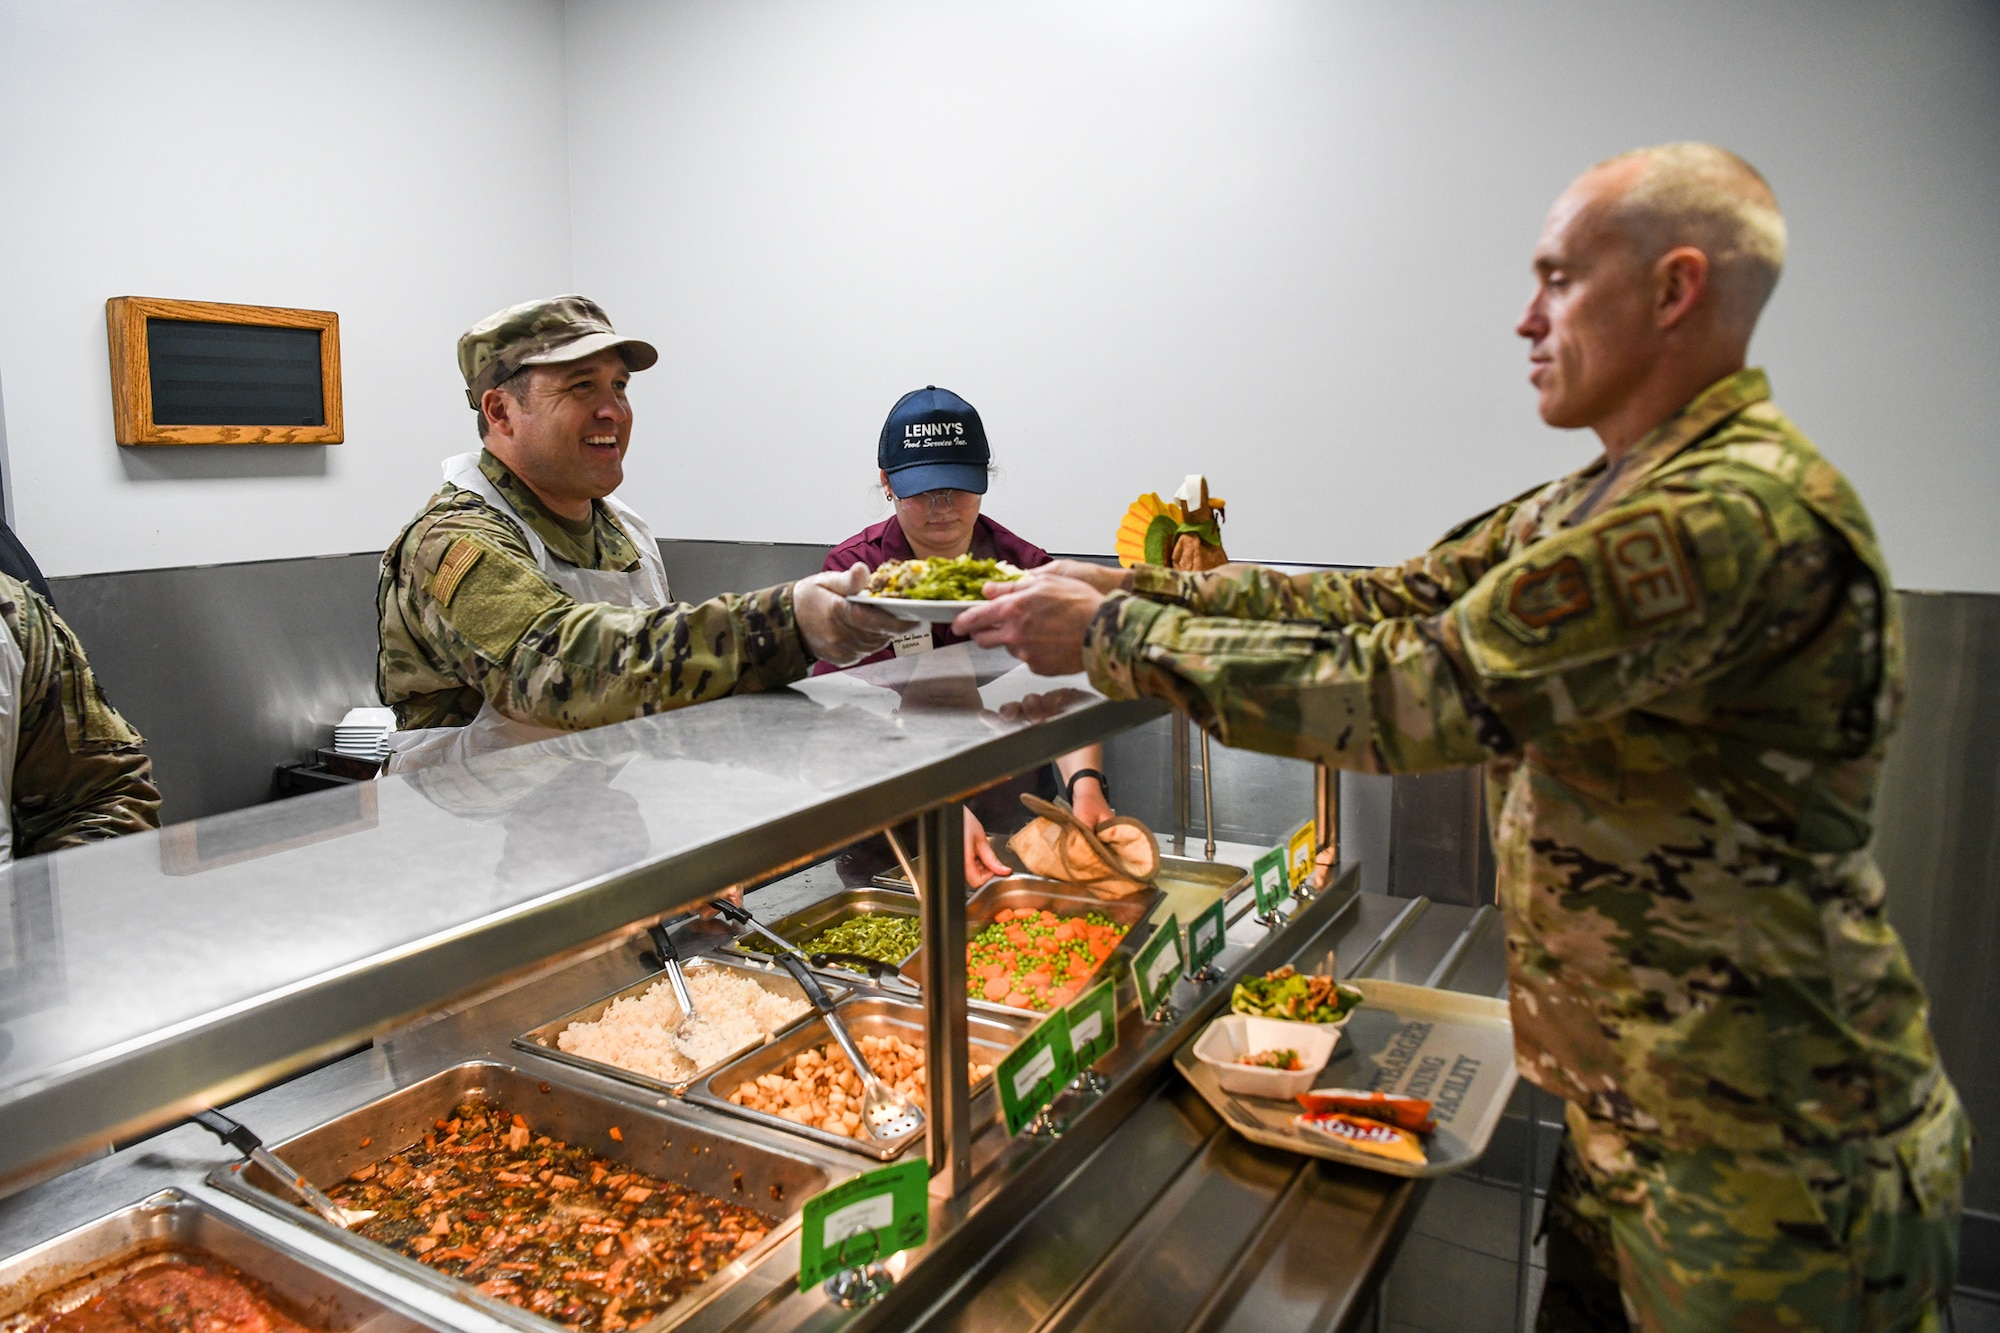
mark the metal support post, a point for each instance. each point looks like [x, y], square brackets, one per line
[1326, 825]
[1207, 804]
[1524, 1247]
[941, 908]
[1183, 797]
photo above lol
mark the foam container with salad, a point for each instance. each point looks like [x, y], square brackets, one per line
[1265, 1057]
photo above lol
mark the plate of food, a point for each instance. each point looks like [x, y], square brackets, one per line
[1295, 997]
[933, 590]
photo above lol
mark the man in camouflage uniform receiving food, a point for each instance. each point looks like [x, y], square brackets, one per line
[1680, 666]
[526, 600]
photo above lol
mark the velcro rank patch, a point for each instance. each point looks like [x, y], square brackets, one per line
[1540, 599]
[462, 556]
[1643, 563]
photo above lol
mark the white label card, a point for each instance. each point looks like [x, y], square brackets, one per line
[1084, 1033]
[1039, 1067]
[869, 1214]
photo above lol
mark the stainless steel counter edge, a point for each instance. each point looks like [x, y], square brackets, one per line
[1012, 1176]
[138, 1086]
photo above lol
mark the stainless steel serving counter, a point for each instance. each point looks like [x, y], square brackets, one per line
[162, 972]
[1148, 1212]
[443, 914]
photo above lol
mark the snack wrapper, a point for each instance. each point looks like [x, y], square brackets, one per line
[1411, 1113]
[1369, 1135]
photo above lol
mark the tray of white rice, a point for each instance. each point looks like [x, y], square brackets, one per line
[635, 1034]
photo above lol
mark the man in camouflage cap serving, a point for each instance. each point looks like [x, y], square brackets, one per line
[1680, 667]
[525, 599]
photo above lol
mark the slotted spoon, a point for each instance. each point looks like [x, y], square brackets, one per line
[887, 1113]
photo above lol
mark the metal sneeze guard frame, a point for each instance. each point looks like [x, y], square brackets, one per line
[278, 936]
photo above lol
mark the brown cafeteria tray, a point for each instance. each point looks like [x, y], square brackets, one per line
[542, 1040]
[766, 1178]
[807, 922]
[1018, 891]
[65, 1272]
[991, 1035]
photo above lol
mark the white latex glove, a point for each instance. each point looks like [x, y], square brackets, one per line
[835, 629]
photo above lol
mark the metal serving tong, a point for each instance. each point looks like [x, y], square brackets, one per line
[888, 1114]
[670, 959]
[879, 972]
[238, 1136]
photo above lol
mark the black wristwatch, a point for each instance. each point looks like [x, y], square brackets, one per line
[1104, 784]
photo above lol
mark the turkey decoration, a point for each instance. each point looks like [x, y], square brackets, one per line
[1182, 533]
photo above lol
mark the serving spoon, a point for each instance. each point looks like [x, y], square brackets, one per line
[888, 1114]
[670, 959]
[238, 1136]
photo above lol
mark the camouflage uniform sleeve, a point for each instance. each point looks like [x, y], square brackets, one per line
[79, 772]
[1424, 586]
[483, 610]
[1644, 599]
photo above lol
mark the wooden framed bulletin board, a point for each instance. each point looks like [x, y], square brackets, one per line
[198, 372]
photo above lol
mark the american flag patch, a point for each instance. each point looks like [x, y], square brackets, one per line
[462, 556]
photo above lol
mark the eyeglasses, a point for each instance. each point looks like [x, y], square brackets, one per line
[945, 498]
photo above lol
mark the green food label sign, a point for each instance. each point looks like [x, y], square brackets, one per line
[870, 1217]
[1206, 935]
[1270, 880]
[1035, 1071]
[1093, 1024]
[1157, 966]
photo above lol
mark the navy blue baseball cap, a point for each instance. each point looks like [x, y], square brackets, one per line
[933, 441]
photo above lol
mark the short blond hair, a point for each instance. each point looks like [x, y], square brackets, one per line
[1699, 195]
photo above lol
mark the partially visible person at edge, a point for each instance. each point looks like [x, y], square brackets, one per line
[78, 773]
[932, 461]
[1680, 667]
[524, 599]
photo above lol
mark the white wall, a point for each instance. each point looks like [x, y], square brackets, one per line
[1280, 241]
[340, 156]
[1283, 242]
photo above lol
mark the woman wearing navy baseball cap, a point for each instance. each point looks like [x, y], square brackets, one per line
[933, 464]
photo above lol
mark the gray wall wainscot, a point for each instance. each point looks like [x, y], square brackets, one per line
[231, 670]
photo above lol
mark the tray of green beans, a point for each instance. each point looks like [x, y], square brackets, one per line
[871, 935]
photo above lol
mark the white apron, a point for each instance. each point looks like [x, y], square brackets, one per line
[492, 729]
[12, 666]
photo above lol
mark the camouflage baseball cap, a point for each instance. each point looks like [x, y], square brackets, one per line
[541, 333]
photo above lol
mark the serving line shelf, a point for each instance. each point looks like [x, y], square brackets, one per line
[1147, 1203]
[167, 971]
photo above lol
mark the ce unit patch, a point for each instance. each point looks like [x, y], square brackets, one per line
[1644, 565]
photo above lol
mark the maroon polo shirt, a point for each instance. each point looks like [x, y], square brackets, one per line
[885, 541]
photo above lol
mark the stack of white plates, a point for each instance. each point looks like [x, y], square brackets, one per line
[362, 732]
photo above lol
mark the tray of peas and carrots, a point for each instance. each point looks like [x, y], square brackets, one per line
[1033, 945]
